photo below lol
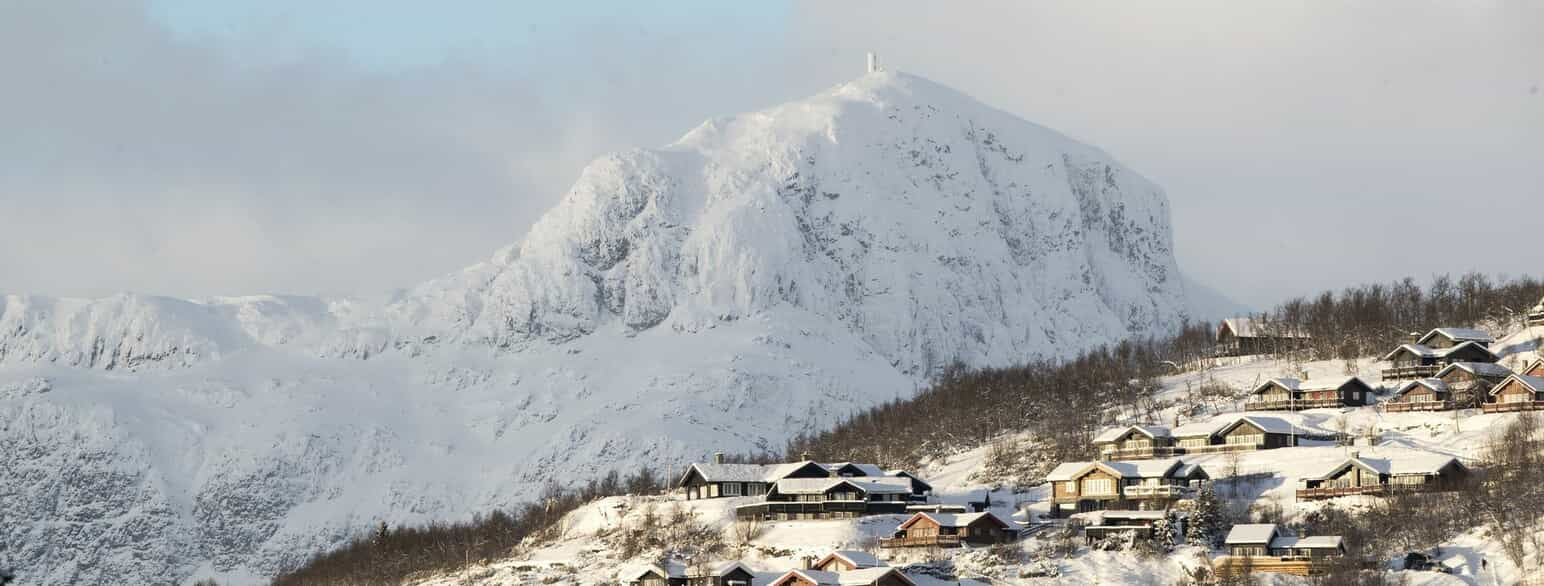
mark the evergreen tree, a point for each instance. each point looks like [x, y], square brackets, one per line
[1162, 536]
[1207, 525]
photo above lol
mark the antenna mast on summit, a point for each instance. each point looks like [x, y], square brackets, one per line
[873, 62]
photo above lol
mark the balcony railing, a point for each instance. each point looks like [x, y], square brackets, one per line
[1292, 405]
[1404, 406]
[1147, 453]
[1331, 492]
[1219, 448]
[1160, 491]
[1411, 372]
[921, 541]
[1513, 406]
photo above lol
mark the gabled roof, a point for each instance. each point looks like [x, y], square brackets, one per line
[1122, 469]
[1435, 384]
[880, 485]
[1290, 384]
[1251, 534]
[1489, 369]
[1537, 366]
[857, 559]
[955, 519]
[1315, 542]
[777, 472]
[668, 569]
[718, 569]
[1319, 384]
[1532, 383]
[913, 477]
[1404, 464]
[864, 469]
[1152, 431]
[1429, 352]
[1265, 423]
[1191, 471]
[713, 472]
[1458, 335]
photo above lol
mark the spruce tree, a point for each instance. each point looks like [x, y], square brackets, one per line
[1206, 522]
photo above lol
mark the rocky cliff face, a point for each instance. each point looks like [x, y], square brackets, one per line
[766, 274]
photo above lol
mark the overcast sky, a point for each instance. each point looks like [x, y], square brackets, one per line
[195, 148]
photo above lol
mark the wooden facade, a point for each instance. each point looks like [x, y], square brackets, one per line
[722, 480]
[837, 498]
[1265, 548]
[1247, 337]
[1536, 314]
[1414, 361]
[1427, 394]
[950, 530]
[866, 577]
[1242, 433]
[1516, 393]
[1140, 485]
[1288, 394]
[1136, 442]
[1535, 369]
[1375, 476]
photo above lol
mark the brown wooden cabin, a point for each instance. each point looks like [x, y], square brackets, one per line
[1413, 361]
[1423, 472]
[864, 577]
[950, 530]
[1471, 381]
[1535, 369]
[1450, 337]
[1518, 392]
[1536, 314]
[1427, 394]
[1263, 547]
[1242, 336]
[718, 479]
[1135, 442]
[1241, 433]
[847, 561]
[1292, 394]
[1081, 487]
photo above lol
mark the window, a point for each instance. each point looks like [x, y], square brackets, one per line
[1098, 486]
[1252, 439]
[732, 489]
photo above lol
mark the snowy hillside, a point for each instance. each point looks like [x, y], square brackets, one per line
[766, 274]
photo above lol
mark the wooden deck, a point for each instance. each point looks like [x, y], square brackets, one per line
[1411, 372]
[1238, 565]
[1403, 407]
[1292, 405]
[928, 541]
[1511, 407]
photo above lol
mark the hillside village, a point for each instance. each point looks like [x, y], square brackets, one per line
[1169, 498]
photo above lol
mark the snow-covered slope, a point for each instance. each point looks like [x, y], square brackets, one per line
[766, 274]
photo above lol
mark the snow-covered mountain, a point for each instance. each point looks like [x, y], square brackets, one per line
[768, 273]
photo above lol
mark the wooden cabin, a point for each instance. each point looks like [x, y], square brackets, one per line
[1427, 394]
[830, 498]
[718, 479]
[1135, 442]
[1535, 369]
[1450, 337]
[671, 573]
[1518, 392]
[1242, 336]
[1291, 394]
[951, 530]
[1236, 434]
[1264, 547]
[1413, 361]
[1378, 475]
[847, 561]
[1536, 314]
[864, 577]
[729, 573]
[1081, 487]
[1470, 381]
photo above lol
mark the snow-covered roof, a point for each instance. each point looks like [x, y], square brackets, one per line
[1152, 431]
[1266, 424]
[1251, 533]
[1429, 352]
[1534, 383]
[955, 519]
[1189, 470]
[881, 484]
[779, 471]
[854, 578]
[714, 472]
[1458, 335]
[1314, 542]
[857, 559]
[1066, 471]
[1411, 463]
[1245, 327]
[718, 569]
[1490, 369]
[1435, 384]
[1224, 423]
[1320, 384]
[1143, 468]
[668, 569]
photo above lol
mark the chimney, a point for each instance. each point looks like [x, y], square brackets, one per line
[805, 456]
[718, 457]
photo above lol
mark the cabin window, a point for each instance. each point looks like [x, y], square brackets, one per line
[712, 490]
[1098, 486]
[1251, 439]
[756, 489]
[732, 489]
[1408, 480]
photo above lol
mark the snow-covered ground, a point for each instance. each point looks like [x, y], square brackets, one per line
[579, 558]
